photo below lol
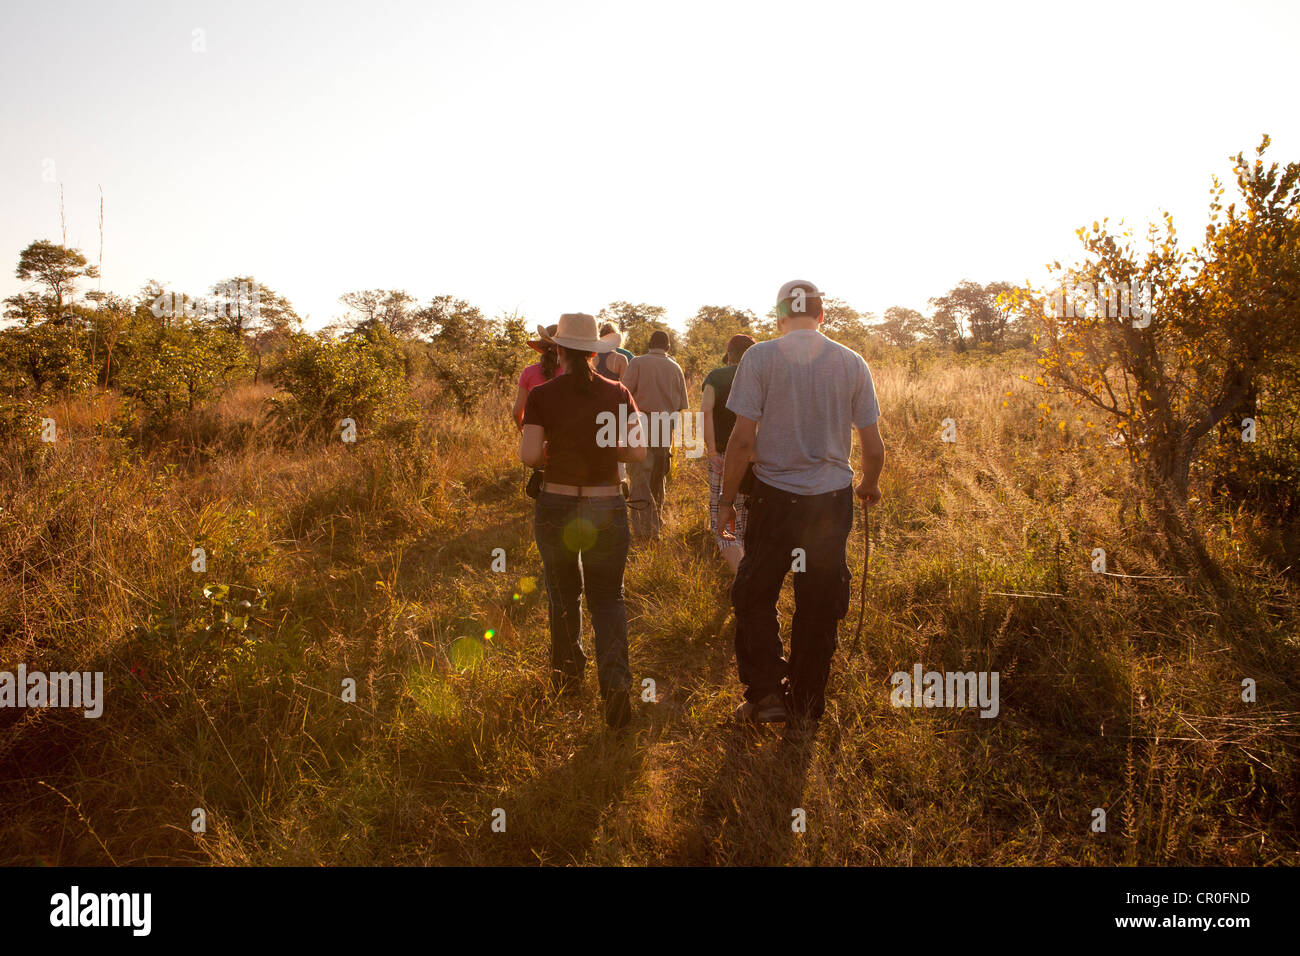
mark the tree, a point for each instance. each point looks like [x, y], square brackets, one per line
[707, 333]
[997, 318]
[452, 323]
[28, 308]
[971, 309]
[111, 318]
[173, 368]
[1208, 326]
[46, 349]
[636, 322]
[360, 376]
[240, 305]
[271, 340]
[57, 268]
[391, 308]
[941, 327]
[47, 354]
[154, 300]
[847, 325]
[507, 352]
[840, 322]
[900, 325]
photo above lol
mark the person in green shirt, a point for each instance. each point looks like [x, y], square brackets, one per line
[612, 365]
[718, 422]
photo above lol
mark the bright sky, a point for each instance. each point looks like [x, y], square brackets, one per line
[555, 156]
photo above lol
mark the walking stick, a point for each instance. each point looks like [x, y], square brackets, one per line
[866, 560]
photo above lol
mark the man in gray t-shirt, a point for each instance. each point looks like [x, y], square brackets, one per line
[810, 393]
[797, 401]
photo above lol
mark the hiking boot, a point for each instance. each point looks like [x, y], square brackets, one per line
[769, 710]
[618, 710]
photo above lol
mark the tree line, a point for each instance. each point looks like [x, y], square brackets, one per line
[1187, 391]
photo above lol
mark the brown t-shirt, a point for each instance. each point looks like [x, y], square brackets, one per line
[569, 419]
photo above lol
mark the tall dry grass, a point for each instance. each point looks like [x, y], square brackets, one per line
[373, 562]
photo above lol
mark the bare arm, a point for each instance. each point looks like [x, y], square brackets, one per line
[532, 446]
[521, 396]
[740, 446]
[873, 461]
[706, 406]
[635, 449]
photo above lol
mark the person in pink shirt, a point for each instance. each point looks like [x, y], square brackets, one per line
[543, 370]
[539, 373]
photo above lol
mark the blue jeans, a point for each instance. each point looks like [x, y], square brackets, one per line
[780, 522]
[583, 543]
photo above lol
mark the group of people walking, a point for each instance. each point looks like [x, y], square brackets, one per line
[779, 417]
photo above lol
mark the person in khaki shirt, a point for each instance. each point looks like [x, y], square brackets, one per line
[657, 385]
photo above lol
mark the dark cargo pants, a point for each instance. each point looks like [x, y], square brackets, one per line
[806, 534]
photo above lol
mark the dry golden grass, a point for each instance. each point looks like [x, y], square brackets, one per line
[368, 561]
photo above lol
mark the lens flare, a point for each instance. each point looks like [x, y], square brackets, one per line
[465, 653]
[579, 535]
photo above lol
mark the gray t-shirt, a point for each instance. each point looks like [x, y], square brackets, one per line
[808, 393]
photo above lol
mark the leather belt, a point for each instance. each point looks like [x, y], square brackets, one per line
[582, 491]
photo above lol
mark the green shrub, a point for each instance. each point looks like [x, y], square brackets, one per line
[167, 371]
[361, 377]
[19, 424]
[48, 355]
[1263, 472]
[467, 369]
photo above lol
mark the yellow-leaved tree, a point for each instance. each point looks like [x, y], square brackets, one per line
[1167, 342]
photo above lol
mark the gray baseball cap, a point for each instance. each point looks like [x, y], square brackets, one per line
[787, 290]
[791, 293]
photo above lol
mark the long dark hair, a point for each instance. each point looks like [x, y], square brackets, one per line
[550, 363]
[578, 363]
[735, 353]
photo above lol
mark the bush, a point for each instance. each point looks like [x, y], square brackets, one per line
[460, 376]
[1264, 472]
[469, 369]
[19, 424]
[361, 377]
[48, 355]
[167, 371]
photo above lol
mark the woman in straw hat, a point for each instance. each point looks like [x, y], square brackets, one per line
[570, 429]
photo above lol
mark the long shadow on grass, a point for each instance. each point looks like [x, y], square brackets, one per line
[749, 810]
[557, 817]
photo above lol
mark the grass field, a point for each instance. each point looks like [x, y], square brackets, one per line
[372, 561]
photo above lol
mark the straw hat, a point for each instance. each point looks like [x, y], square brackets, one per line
[543, 339]
[577, 330]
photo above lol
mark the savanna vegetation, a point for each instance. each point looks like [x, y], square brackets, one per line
[182, 507]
